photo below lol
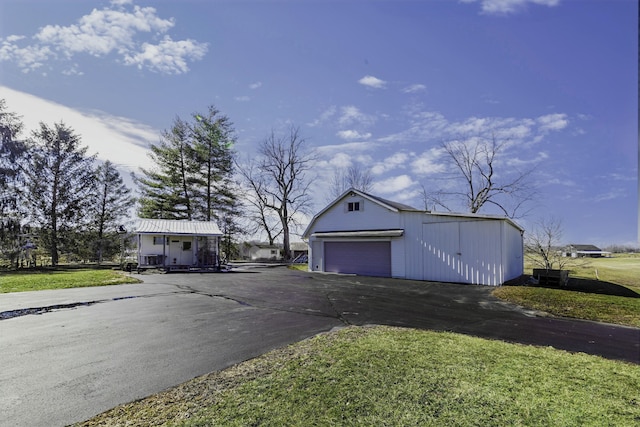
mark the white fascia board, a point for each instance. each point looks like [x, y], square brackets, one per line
[362, 233]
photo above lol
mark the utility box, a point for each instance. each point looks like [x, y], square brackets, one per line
[558, 278]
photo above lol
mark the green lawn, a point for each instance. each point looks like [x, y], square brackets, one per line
[37, 280]
[601, 308]
[400, 377]
[618, 275]
[623, 269]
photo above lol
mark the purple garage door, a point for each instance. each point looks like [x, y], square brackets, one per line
[363, 258]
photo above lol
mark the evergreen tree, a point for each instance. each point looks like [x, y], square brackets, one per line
[12, 157]
[166, 189]
[113, 200]
[227, 218]
[193, 169]
[60, 182]
[213, 137]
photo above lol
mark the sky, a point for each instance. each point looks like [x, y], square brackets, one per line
[379, 84]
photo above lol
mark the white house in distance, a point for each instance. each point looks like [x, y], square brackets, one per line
[363, 234]
[177, 245]
[257, 251]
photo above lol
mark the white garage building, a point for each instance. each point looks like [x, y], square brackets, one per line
[362, 234]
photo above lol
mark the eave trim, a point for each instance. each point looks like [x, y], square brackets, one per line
[361, 233]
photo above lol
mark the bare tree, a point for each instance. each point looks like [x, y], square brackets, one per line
[543, 246]
[349, 177]
[279, 180]
[260, 217]
[475, 162]
[432, 200]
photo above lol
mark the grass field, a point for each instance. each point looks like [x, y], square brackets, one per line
[622, 269]
[578, 305]
[37, 280]
[616, 274]
[399, 377]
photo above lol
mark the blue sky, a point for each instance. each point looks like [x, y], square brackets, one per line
[380, 84]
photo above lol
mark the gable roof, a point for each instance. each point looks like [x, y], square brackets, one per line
[172, 226]
[387, 204]
[400, 207]
[589, 248]
[396, 205]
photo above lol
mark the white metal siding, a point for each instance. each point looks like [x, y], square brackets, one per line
[441, 252]
[398, 258]
[513, 252]
[367, 258]
[316, 261]
[371, 217]
[481, 248]
[146, 248]
[463, 252]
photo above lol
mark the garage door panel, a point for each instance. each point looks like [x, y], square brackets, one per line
[363, 258]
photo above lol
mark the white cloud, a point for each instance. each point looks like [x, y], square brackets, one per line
[553, 122]
[242, 98]
[505, 7]
[121, 140]
[351, 114]
[73, 71]
[351, 135]
[392, 162]
[119, 29]
[349, 146]
[615, 176]
[564, 182]
[429, 162]
[340, 160]
[616, 193]
[373, 82]
[415, 88]
[256, 85]
[324, 116]
[518, 162]
[393, 185]
[430, 126]
[168, 56]
[424, 126]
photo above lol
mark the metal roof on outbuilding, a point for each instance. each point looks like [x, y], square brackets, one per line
[170, 226]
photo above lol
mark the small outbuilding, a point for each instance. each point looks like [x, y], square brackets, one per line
[359, 233]
[176, 245]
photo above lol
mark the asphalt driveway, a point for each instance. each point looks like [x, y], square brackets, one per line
[67, 355]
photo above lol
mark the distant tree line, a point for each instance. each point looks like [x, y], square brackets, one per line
[622, 249]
